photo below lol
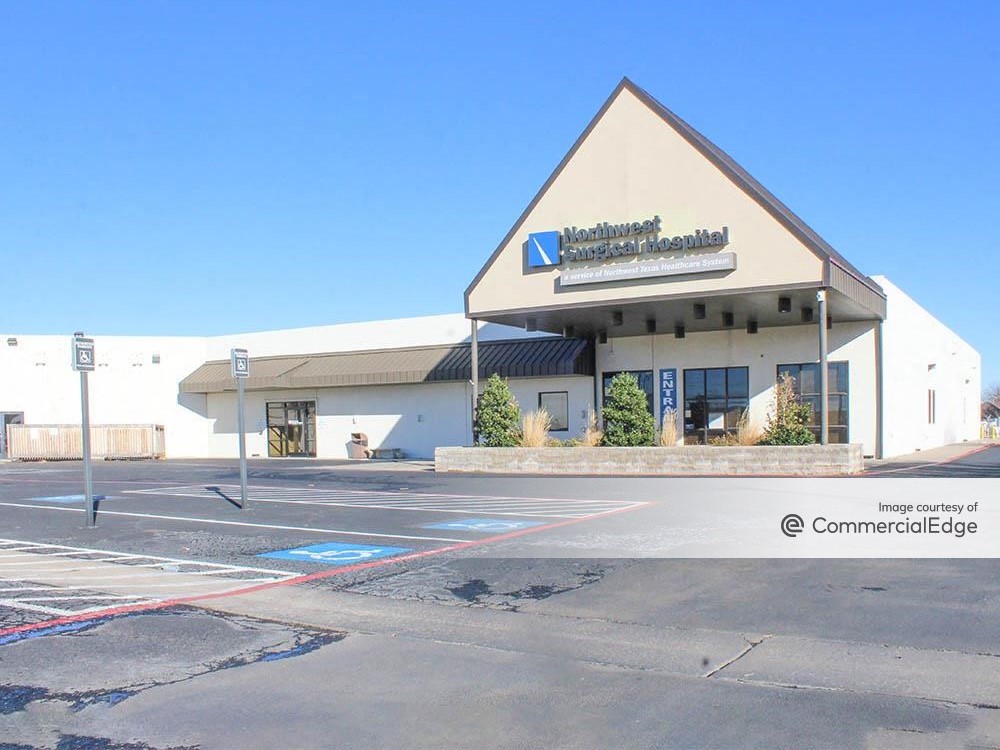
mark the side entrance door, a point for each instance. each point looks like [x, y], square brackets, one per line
[291, 429]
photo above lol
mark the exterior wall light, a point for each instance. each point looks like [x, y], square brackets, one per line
[728, 319]
[602, 337]
[617, 318]
[531, 324]
[679, 331]
[699, 311]
[751, 326]
[784, 304]
[807, 315]
[651, 325]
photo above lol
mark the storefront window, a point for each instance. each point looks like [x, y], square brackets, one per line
[714, 400]
[807, 387]
[644, 378]
[556, 403]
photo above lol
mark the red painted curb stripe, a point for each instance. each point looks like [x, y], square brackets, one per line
[127, 609]
[959, 457]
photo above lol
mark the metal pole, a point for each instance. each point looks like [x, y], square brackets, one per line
[88, 480]
[475, 376]
[824, 374]
[241, 426]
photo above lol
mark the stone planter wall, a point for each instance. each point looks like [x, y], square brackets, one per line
[800, 461]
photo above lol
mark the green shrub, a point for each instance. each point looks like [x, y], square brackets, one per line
[627, 420]
[498, 416]
[786, 424]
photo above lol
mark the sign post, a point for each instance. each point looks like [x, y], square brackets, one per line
[240, 362]
[83, 362]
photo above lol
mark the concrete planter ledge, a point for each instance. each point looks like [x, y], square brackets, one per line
[764, 460]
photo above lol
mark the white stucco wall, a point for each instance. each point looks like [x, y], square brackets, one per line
[413, 418]
[761, 353]
[377, 334]
[36, 379]
[126, 388]
[921, 353]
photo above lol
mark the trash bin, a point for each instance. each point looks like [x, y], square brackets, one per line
[358, 447]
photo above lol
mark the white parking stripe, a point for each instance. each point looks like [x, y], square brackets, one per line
[198, 490]
[188, 519]
[404, 500]
[41, 546]
[86, 597]
[103, 577]
[14, 604]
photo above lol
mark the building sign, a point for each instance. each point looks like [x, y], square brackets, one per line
[626, 241]
[83, 355]
[609, 241]
[239, 363]
[648, 269]
[668, 391]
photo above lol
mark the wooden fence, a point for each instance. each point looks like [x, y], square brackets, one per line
[62, 442]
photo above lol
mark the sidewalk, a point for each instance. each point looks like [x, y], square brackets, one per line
[941, 454]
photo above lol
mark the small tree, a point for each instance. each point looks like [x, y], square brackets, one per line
[786, 424]
[498, 415]
[627, 420]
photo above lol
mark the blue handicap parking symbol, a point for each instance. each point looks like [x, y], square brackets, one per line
[335, 553]
[494, 525]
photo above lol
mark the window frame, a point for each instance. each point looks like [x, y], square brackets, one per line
[565, 394]
[703, 435]
[844, 393]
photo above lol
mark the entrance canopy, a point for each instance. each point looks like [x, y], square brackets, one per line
[635, 317]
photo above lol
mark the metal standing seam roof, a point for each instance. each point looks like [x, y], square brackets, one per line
[538, 357]
[215, 377]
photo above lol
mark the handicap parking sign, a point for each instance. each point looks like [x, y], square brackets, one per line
[492, 525]
[335, 553]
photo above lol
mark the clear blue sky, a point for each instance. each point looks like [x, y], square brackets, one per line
[211, 167]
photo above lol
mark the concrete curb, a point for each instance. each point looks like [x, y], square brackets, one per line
[799, 460]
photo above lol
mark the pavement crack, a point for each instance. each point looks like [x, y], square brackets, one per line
[751, 645]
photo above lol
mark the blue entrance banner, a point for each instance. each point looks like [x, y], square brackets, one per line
[668, 390]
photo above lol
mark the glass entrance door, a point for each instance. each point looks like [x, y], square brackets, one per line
[291, 428]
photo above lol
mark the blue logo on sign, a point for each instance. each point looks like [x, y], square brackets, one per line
[335, 553]
[543, 249]
[492, 525]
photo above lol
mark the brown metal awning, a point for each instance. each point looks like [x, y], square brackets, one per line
[538, 357]
[266, 372]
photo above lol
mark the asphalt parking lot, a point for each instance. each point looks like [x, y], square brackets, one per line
[390, 606]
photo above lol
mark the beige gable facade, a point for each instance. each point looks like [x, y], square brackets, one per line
[634, 162]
